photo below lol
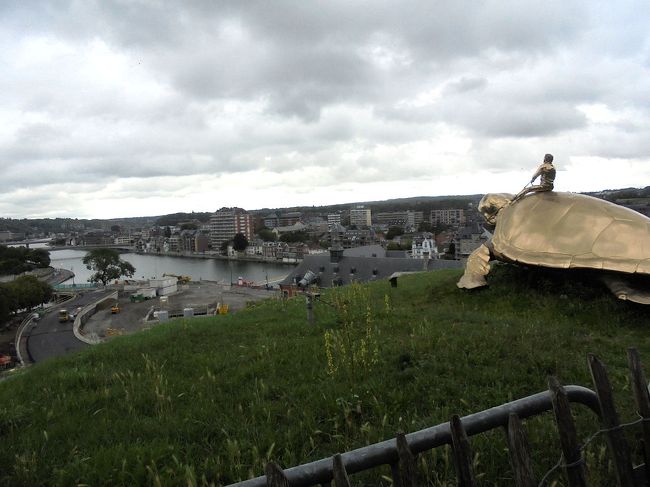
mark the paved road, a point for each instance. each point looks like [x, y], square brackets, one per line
[49, 338]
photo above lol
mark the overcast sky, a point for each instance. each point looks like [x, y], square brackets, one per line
[139, 107]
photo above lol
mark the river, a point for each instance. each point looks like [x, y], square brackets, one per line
[148, 266]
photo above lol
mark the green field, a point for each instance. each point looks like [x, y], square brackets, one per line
[209, 401]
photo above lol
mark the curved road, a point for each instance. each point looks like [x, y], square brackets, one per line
[49, 338]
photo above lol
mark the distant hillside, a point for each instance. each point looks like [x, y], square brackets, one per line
[176, 218]
[210, 401]
[416, 203]
[625, 193]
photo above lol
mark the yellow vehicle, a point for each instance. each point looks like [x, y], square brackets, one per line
[115, 309]
[181, 279]
[64, 316]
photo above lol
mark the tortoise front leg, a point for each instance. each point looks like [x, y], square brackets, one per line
[476, 268]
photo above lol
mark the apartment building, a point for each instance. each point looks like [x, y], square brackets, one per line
[333, 219]
[453, 216]
[289, 218]
[360, 217]
[404, 219]
[227, 222]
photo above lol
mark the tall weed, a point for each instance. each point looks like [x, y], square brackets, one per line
[353, 348]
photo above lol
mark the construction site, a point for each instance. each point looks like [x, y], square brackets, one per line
[141, 305]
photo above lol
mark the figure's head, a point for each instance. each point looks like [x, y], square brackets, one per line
[491, 204]
[548, 158]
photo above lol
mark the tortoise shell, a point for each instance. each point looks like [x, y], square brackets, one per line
[568, 230]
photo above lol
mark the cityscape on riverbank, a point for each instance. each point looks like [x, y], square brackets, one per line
[445, 227]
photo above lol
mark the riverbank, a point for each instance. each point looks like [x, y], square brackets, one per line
[198, 267]
[189, 255]
[51, 275]
[239, 258]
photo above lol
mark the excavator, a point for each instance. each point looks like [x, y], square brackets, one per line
[181, 279]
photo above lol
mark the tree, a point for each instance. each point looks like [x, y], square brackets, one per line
[267, 235]
[25, 293]
[107, 265]
[15, 260]
[38, 258]
[292, 237]
[451, 252]
[394, 232]
[168, 232]
[438, 228]
[5, 305]
[239, 242]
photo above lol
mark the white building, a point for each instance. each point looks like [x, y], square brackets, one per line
[425, 248]
[360, 217]
[333, 219]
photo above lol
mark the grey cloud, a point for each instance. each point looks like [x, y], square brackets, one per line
[301, 56]
[493, 120]
[466, 84]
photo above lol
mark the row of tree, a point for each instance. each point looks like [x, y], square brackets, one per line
[26, 292]
[16, 260]
[23, 293]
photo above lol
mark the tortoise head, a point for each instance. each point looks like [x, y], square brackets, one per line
[491, 204]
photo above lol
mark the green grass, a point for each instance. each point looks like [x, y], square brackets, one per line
[210, 401]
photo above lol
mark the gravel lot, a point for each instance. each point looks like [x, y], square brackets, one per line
[197, 295]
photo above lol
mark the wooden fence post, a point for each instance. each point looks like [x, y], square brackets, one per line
[405, 471]
[275, 476]
[462, 453]
[340, 475]
[520, 453]
[642, 397]
[568, 436]
[618, 446]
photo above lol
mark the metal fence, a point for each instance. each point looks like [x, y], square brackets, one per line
[401, 452]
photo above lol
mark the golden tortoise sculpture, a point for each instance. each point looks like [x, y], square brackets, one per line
[567, 231]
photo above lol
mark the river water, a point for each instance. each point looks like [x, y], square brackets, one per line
[148, 266]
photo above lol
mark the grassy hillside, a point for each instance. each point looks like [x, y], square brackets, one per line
[209, 401]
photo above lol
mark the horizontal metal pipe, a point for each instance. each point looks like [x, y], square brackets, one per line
[385, 452]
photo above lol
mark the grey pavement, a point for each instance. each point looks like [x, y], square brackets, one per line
[48, 338]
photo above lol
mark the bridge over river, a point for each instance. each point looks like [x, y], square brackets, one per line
[121, 247]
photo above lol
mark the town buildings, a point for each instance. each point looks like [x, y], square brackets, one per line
[333, 219]
[468, 239]
[449, 216]
[227, 222]
[360, 217]
[424, 248]
[340, 267]
[287, 219]
[405, 219]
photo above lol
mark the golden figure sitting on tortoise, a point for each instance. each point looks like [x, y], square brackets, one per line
[542, 227]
